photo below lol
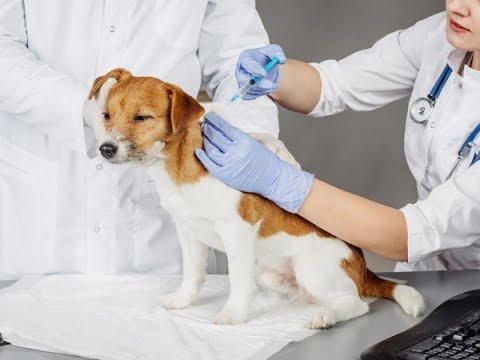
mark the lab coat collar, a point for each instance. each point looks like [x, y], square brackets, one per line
[456, 59]
[471, 76]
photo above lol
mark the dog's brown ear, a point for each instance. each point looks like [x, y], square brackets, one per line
[118, 74]
[184, 109]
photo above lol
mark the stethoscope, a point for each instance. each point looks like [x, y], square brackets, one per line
[422, 109]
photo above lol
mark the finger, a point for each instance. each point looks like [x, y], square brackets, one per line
[254, 68]
[243, 77]
[229, 131]
[205, 160]
[216, 137]
[217, 156]
[266, 84]
[275, 50]
[220, 125]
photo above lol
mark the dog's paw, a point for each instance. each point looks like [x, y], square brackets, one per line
[324, 319]
[229, 317]
[176, 301]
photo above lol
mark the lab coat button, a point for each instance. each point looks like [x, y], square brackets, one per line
[432, 125]
[112, 28]
[96, 229]
[99, 166]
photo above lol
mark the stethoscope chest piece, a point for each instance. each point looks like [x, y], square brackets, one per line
[421, 110]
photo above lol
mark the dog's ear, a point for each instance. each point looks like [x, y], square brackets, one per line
[117, 74]
[184, 109]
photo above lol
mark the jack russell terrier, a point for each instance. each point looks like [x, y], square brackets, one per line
[148, 122]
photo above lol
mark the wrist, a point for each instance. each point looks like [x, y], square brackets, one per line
[290, 187]
[279, 93]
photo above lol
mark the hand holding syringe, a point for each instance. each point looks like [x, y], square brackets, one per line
[258, 72]
[253, 81]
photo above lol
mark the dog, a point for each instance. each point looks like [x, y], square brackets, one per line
[150, 123]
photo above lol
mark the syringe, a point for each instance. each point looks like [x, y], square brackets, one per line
[251, 83]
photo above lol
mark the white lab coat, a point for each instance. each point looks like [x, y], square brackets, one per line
[444, 224]
[60, 210]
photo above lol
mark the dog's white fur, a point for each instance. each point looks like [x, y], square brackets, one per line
[312, 262]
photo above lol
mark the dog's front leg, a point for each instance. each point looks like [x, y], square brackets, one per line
[239, 242]
[195, 255]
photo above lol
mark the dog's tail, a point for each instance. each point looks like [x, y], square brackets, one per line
[407, 297]
[370, 285]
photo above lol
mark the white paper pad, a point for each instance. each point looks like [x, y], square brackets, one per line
[115, 317]
[118, 317]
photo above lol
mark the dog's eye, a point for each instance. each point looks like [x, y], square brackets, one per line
[143, 117]
[106, 116]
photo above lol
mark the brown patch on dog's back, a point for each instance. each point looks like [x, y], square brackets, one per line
[273, 219]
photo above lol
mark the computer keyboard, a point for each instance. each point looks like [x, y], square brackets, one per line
[451, 331]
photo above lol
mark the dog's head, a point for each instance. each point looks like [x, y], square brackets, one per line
[140, 116]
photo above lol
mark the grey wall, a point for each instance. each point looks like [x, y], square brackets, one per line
[358, 152]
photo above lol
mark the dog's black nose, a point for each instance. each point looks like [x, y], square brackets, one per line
[108, 150]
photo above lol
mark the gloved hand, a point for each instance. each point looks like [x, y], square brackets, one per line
[94, 108]
[246, 165]
[252, 62]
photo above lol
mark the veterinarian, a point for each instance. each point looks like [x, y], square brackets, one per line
[437, 63]
[61, 210]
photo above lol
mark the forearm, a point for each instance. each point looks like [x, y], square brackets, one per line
[358, 221]
[299, 87]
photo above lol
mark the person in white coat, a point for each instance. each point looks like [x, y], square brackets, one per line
[437, 63]
[62, 209]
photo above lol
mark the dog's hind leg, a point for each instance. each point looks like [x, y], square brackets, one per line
[195, 255]
[318, 270]
[337, 310]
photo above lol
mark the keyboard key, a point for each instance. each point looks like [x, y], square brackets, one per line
[416, 356]
[476, 328]
[449, 353]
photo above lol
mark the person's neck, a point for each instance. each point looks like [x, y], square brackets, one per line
[476, 60]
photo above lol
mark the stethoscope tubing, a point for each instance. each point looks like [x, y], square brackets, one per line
[430, 101]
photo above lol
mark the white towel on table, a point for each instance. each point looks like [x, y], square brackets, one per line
[118, 317]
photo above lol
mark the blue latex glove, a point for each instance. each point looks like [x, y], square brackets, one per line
[252, 62]
[246, 165]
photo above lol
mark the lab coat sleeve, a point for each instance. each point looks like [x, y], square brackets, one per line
[448, 218]
[377, 76]
[31, 90]
[231, 26]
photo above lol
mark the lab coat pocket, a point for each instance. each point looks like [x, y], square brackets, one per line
[28, 194]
